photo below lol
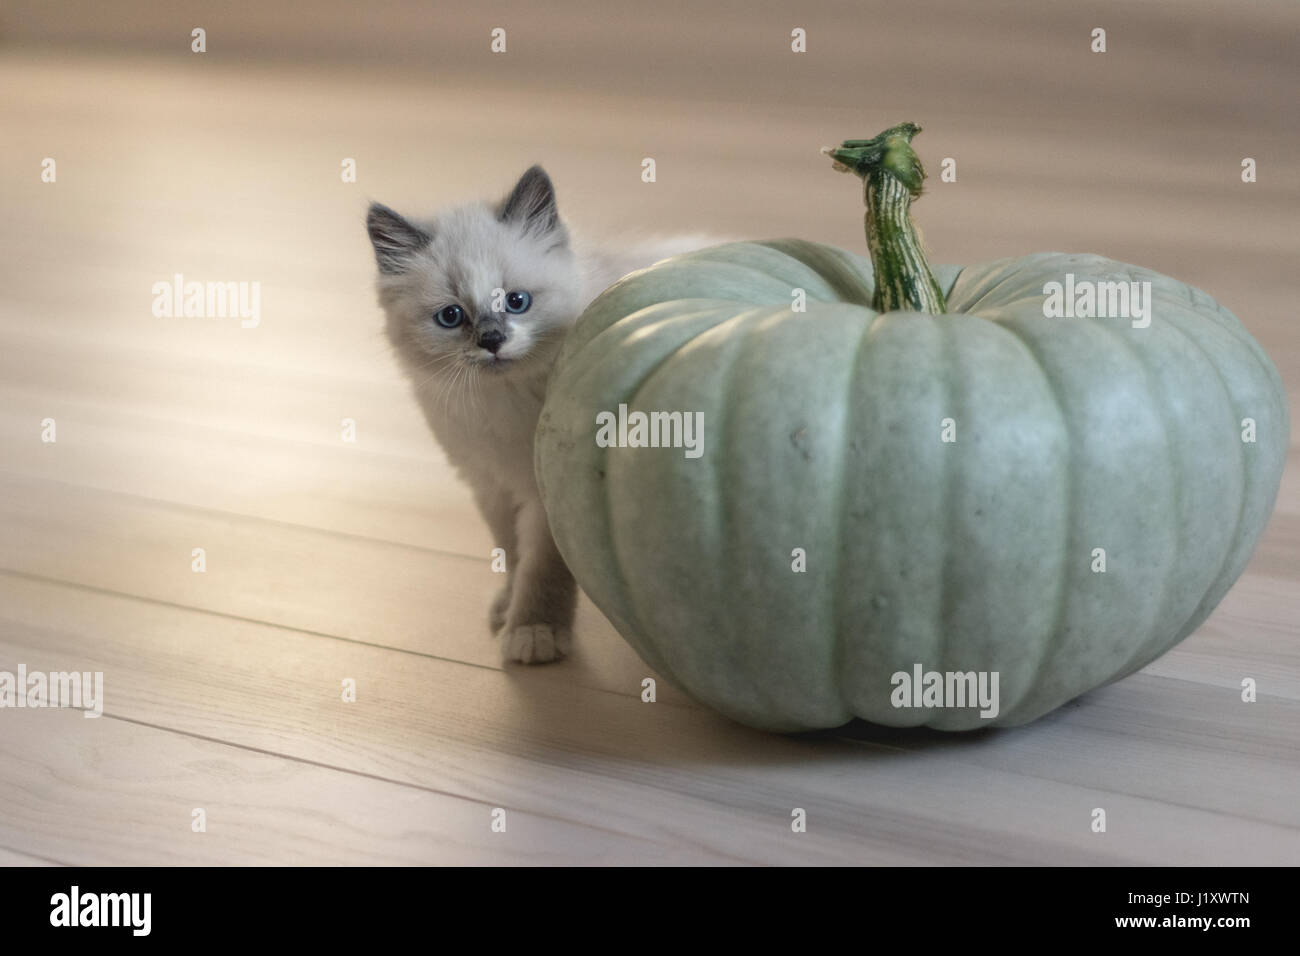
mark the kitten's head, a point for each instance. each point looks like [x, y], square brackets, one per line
[485, 286]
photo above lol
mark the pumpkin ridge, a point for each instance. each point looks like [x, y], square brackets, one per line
[1243, 494]
[629, 295]
[657, 661]
[1261, 357]
[845, 279]
[953, 375]
[1232, 327]
[969, 308]
[1210, 360]
[722, 477]
[1172, 463]
[626, 608]
[773, 698]
[719, 304]
[850, 428]
[755, 279]
[1051, 642]
[631, 400]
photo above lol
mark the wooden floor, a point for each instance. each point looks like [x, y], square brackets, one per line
[328, 561]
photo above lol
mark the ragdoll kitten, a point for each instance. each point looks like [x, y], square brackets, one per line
[478, 301]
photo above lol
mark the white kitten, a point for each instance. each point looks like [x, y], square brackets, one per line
[478, 301]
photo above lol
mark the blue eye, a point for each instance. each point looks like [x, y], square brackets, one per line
[518, 301]
[450, 316]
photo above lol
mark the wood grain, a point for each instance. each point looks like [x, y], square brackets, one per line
[523, 739]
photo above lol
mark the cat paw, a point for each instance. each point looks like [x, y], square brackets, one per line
[536, 643]
[497, 613]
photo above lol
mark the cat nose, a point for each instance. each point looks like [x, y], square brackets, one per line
[491, 340]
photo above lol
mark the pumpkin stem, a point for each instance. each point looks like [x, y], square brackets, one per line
[892, 176]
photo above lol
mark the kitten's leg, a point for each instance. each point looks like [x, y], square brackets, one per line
[501, 604]
[539, 623]
[500, 514]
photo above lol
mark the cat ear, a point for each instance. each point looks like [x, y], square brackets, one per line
[532, 202]
[394, 239]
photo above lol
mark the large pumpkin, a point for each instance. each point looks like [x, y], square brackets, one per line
[973, 486]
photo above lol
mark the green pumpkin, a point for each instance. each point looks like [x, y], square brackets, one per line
[974, 487]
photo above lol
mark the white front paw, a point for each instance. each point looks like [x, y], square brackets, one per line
[536, 643]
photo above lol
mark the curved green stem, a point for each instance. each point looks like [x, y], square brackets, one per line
[892, 176]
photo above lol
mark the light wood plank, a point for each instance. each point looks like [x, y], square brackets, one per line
[124, 794]
[14, 858]
[524, 738]
[423, 601]
[353, 490]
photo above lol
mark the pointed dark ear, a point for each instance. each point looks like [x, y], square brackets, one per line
[531, 203]
[394, 239]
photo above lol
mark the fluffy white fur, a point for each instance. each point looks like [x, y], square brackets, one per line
[483, 406]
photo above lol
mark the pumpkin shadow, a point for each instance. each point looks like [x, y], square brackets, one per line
[559, 713]
[589, 704]
[910, 738]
